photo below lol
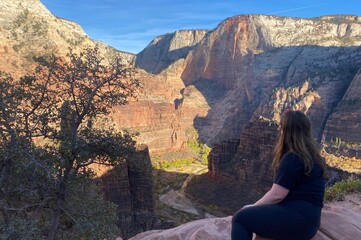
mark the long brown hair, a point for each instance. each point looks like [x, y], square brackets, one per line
[296, 136]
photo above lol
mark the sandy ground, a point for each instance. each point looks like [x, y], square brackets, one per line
[350, 201]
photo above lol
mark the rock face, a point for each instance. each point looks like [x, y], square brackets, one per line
[130, 186]
[167, 49]
[28, 29]
[274, 67]
[217, 84]
[250, 161]
[250, 66]
[164, 113]
[336, 223]
[214, 81]
[348, 110]
[218, 80]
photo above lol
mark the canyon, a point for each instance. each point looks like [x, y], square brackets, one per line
[249, 66]
[225, 88]
[215, 81]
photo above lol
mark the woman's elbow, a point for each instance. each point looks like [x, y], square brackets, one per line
[279, 193]
[279, 198]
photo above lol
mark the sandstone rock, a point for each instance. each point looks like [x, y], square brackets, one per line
[130, 186]
[163, 114]
[215, 81]
[250, 161]
[204, 229]
[248, 59]
[339, 223]
[348, 110]
[336, 224]
[167, 49]
[29, 29]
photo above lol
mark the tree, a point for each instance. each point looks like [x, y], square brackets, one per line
[48, 133]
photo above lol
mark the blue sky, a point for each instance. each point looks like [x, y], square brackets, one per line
[129, 25]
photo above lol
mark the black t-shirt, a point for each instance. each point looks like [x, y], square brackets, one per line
[291, 175]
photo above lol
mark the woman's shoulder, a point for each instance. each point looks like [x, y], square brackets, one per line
[291, 154]
[293, 157]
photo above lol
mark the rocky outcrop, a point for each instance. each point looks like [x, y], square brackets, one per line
[167, 49]
[220, 158]
[163, 114]
[238, 168]
[336, 135]
[336, 223]
[250, 161]
[274, 67]
[28, 29]
[130, 186]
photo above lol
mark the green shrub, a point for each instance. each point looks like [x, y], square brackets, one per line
[341, 188]
[177, 163]
[201, 149]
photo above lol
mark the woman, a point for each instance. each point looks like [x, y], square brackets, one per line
[291, 210]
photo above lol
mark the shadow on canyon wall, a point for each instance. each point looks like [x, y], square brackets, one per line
[160, 50]
[130, 186]
[270, 82]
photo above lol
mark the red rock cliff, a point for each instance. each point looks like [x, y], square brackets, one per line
[250, 161]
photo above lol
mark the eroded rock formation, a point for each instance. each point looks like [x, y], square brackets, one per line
[348, 112]
[336, 223]
[214, 81]
[167, 49]
[251, 66]
[130, 186]
[218, 83]
[250, 161]
[28, 29]
[261, 65]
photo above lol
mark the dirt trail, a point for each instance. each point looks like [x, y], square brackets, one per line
[178, 200]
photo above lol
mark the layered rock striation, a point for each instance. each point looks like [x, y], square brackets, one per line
[130, 186]
[166, 49]
[215, 81]
[346, 140]
[28, 29]
[255, 65]
[249, 162]
[258, 64]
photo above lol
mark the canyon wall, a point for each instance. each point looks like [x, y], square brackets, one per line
[130, 187]
[214, 82]
[264, 64]
[249, 159]
[166, 49]
[249, 66]
[343, 127]
[29, 29]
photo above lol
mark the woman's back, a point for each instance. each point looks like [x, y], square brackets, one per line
[308, 187]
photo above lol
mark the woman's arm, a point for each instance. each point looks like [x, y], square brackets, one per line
[273, 196]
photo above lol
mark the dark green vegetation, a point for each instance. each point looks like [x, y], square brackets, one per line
[339, 189]
[48, 141]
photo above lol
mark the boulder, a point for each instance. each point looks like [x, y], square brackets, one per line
[336, 223]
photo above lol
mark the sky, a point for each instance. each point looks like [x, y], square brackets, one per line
[130, 25]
